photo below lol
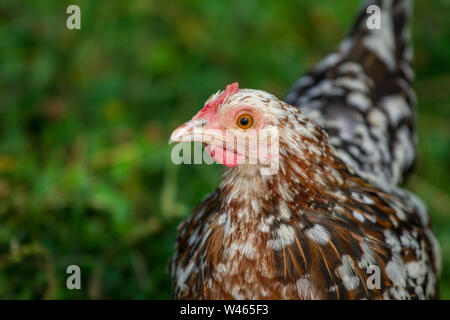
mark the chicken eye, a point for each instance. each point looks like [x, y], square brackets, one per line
[245, 121]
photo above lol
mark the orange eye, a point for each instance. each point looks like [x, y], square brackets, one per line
[245, 121]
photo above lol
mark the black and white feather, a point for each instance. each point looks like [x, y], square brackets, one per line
[362, 95]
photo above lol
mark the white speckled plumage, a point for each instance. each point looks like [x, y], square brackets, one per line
[335, 210]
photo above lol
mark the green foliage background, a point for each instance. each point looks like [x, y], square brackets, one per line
[85, 116]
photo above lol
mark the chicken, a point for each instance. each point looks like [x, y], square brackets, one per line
[331, 222]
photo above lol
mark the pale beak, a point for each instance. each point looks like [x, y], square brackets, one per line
[195, 130]
[183, 133]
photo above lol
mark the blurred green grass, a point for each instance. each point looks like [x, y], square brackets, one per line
[85, 116]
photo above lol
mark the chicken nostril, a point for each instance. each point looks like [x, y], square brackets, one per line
[200, 123]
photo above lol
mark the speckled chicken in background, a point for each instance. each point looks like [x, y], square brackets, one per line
[333, 213]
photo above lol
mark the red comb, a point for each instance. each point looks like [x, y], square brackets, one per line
[230, 90]
[214, 105]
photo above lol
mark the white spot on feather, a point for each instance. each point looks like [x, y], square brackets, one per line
[396, 108]
[318, 234]
[305, 289]
[329, 61]
[351, 84]
[358, 216]
[396, 272]
[346, 273]
[284, 236]
[285, 213]
[359, 100]
[350, 67]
